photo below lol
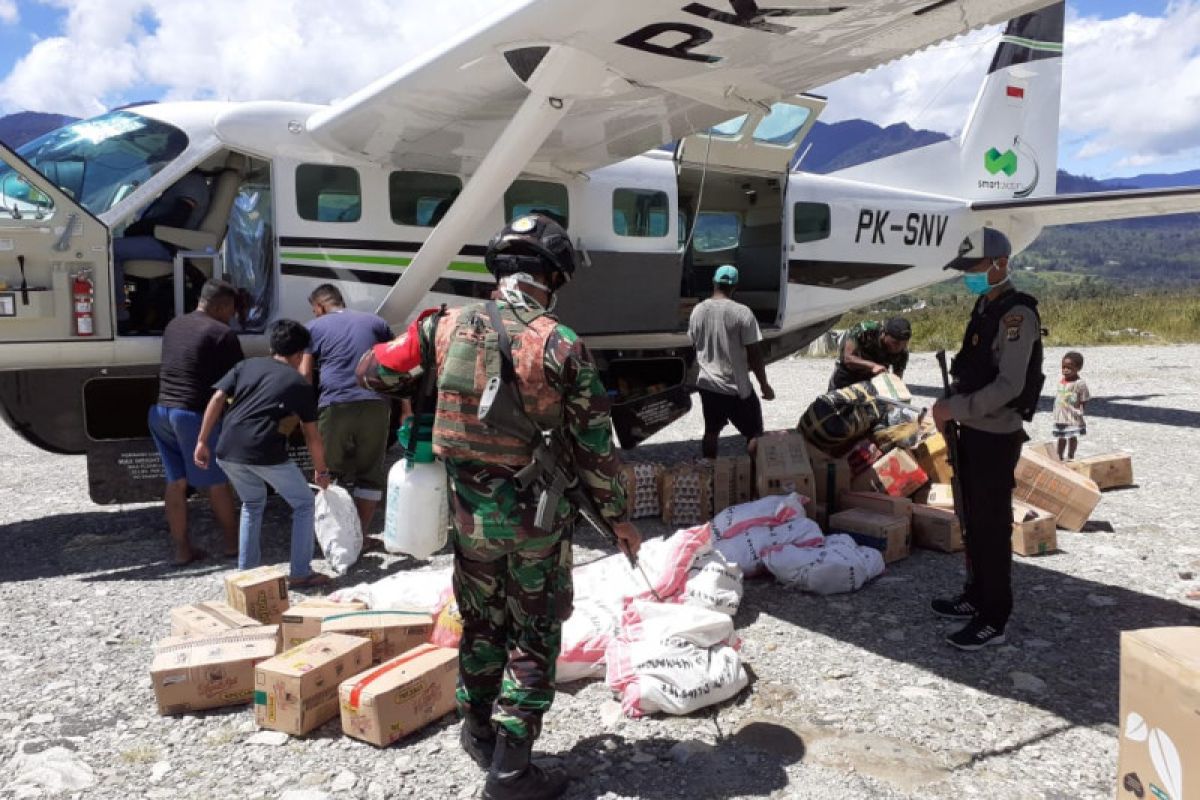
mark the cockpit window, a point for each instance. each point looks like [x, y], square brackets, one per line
[100, 161]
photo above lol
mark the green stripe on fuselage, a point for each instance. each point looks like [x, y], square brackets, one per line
[469, 267]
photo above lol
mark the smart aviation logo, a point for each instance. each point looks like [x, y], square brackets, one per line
[994, 161]
[1005, 165]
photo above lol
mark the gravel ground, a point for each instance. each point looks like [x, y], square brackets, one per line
[852, 696]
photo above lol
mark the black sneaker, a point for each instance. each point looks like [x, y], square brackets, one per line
[976, 635]
[954, 607]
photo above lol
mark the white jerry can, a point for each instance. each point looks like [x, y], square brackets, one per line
[418, 510]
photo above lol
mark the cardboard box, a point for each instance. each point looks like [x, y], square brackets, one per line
[862, 456]
[936, 529]
[940, 495]
[891, 535]
[896, 474]
[1108, 471]
[641, 482]
[1160, 714]
[302, 622]
[877, 502]
[400, 696]
[1049, 449]
[732, 482]
[831, 476]
[203, 619]
[781, 465]
[391, 632]
[261, 593]
[933, 457]
[190, 673]
[687, 495]
[819, 513]
[1053, 486]
[888, 385]
[297, 690]
[1034, 532]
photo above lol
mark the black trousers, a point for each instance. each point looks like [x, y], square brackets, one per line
[986, 476]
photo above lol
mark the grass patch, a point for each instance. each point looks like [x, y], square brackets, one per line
[142, 754]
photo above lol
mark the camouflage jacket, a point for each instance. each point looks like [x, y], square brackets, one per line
[486, 503]
[868, 341]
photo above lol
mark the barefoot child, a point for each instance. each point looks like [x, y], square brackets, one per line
[1072, 396]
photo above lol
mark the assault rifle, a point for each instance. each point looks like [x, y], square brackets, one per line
[952, 447]
[551, 471]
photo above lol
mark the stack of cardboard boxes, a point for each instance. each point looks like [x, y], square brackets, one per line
[301, 666]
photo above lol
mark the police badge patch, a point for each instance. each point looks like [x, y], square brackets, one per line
[1012, 326]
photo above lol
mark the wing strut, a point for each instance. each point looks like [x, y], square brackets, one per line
[562, 75]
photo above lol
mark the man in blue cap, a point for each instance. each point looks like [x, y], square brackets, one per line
[726, 337]
[997, 381]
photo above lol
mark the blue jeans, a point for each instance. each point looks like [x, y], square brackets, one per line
[250, 481]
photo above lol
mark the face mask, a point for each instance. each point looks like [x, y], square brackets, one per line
[977, 282]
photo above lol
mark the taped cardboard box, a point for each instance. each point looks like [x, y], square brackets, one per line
[1034, 532]
[191, 673]
[297, 690]
[896, 474]
[1160, 714]
[1109, 471]
[831, 476]
[391, 632]
[732, 482]
[687, 495]
[878, 502]
[890, 386]
[261, 593]
[781, 465]
[890, 535]
[400, 696]
[936, 529]
[203, 619]
[940, 495]
[641, 482]
[933, 457]
[302, 621]
[1049, 449]
[1052, 486]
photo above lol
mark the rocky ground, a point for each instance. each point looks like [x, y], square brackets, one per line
[852, 696]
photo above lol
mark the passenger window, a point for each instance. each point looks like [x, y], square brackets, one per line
[810, 222]
[537, 197]
[640, 212]
[716, 230]
[421, 198]
[328, 194]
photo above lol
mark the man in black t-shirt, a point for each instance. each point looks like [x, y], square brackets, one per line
[267, 398]
[197, 349]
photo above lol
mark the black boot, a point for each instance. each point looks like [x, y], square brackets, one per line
[478, 738]
[514, 776]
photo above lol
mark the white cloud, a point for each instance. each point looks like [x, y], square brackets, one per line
[8, 12]
[309, 50]
[1131, 87]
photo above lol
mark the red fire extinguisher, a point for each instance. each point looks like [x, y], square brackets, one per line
[83, 291]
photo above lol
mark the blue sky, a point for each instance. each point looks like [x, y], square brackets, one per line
[82, 56]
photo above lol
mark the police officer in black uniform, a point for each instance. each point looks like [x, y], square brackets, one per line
[997, 381]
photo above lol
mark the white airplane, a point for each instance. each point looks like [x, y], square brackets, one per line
[551, 105]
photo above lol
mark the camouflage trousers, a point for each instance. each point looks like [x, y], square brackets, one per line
[513, 595]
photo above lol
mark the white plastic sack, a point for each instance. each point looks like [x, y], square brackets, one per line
[665, 561]
[761, 513]
[339, 531]
[673, 658]
[713, 583]
[838, 566]
[746, 548]
[418, 588]
[585, 638]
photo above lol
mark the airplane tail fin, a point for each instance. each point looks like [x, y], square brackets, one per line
[1009, 146]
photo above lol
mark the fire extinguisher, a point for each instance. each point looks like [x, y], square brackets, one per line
[83, 291]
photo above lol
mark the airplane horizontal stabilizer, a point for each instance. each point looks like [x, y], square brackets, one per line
[1067, 209]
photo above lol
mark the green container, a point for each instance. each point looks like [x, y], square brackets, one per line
[418, 448]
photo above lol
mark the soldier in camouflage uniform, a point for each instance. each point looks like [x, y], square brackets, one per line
[512, 581]
[871, 348]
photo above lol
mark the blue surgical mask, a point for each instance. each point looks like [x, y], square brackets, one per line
[977, 282]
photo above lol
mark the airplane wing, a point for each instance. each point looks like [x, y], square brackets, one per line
[672, 67]
[1066, 209]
